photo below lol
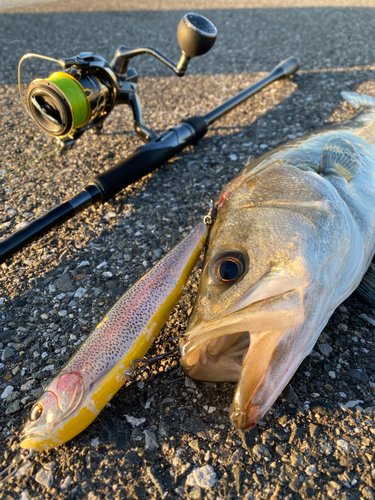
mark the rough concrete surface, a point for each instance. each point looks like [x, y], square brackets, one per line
[318, 440]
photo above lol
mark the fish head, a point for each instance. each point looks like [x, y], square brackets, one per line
[260, 294]
[55, 406]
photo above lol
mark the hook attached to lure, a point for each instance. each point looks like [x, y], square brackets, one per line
[17, 461]
[148, 361]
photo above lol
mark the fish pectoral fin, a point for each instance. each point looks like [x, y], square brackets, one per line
[359, 100]
[366, 290]
[340, 158]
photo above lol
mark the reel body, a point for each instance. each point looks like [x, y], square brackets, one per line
[86, 89]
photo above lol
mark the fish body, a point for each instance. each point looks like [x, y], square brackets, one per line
[101, 365]
[293, 237]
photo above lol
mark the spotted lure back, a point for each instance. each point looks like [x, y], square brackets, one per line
[101, 365]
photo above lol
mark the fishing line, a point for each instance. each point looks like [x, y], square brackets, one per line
[27, 56]
[28, 163]
[75, 94]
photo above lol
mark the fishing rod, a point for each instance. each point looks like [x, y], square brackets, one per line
[83, 94]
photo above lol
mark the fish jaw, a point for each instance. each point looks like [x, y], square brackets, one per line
[260, 346]
[269, 360]
[267, 369]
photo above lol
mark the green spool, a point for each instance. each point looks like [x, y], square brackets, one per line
[75, 94]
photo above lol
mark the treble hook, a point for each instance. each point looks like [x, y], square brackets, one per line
[148, 361]
[22, 457]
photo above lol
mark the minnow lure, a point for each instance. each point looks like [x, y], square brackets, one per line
[102, 364]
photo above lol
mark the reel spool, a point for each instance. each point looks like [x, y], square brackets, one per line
[58, 104]
[68, 100]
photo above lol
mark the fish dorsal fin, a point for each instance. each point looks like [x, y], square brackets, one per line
[359, 100]
[366, 289]
[340, 158]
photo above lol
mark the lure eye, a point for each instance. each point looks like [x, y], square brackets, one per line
[36, 412]
[227, 267]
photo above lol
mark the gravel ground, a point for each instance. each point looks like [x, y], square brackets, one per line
[318, 441]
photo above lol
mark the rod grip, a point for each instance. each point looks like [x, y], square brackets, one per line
[136, 166]
[149, 157]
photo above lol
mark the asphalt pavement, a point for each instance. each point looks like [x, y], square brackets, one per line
[318, 440]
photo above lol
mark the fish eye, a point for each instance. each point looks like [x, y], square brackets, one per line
[36, 412]
[227, 267]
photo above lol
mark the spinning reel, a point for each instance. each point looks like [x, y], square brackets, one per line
[83, 93]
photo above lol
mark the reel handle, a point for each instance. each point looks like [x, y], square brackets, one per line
[195, 35]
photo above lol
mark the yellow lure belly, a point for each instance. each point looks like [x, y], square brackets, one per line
[99, 368]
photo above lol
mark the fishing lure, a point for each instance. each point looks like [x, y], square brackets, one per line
[102, 364]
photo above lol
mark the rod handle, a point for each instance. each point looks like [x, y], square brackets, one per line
[149, 157]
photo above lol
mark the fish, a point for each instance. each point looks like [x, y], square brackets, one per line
[104, 361]
[293, 238]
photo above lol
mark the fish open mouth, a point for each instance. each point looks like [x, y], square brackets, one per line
[218, 360]
[254, 347]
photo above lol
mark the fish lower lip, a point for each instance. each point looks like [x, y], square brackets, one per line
[30, 434]
[245, 420]
[259, 373]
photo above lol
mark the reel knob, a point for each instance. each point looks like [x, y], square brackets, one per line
[195, 35]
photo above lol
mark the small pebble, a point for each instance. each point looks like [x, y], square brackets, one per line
[133, 421]
[310, 470]
[95, 441]
[204, 477]
[343, 445]
[150, 440]
[83, 264]
[65, 483]
[44, 477]
[367, 318]
[190, 383]
[80, 293]
[24, 495]
[352, 404]
[325, 349]
[8, 352]
[13, 408]
[8, 389]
